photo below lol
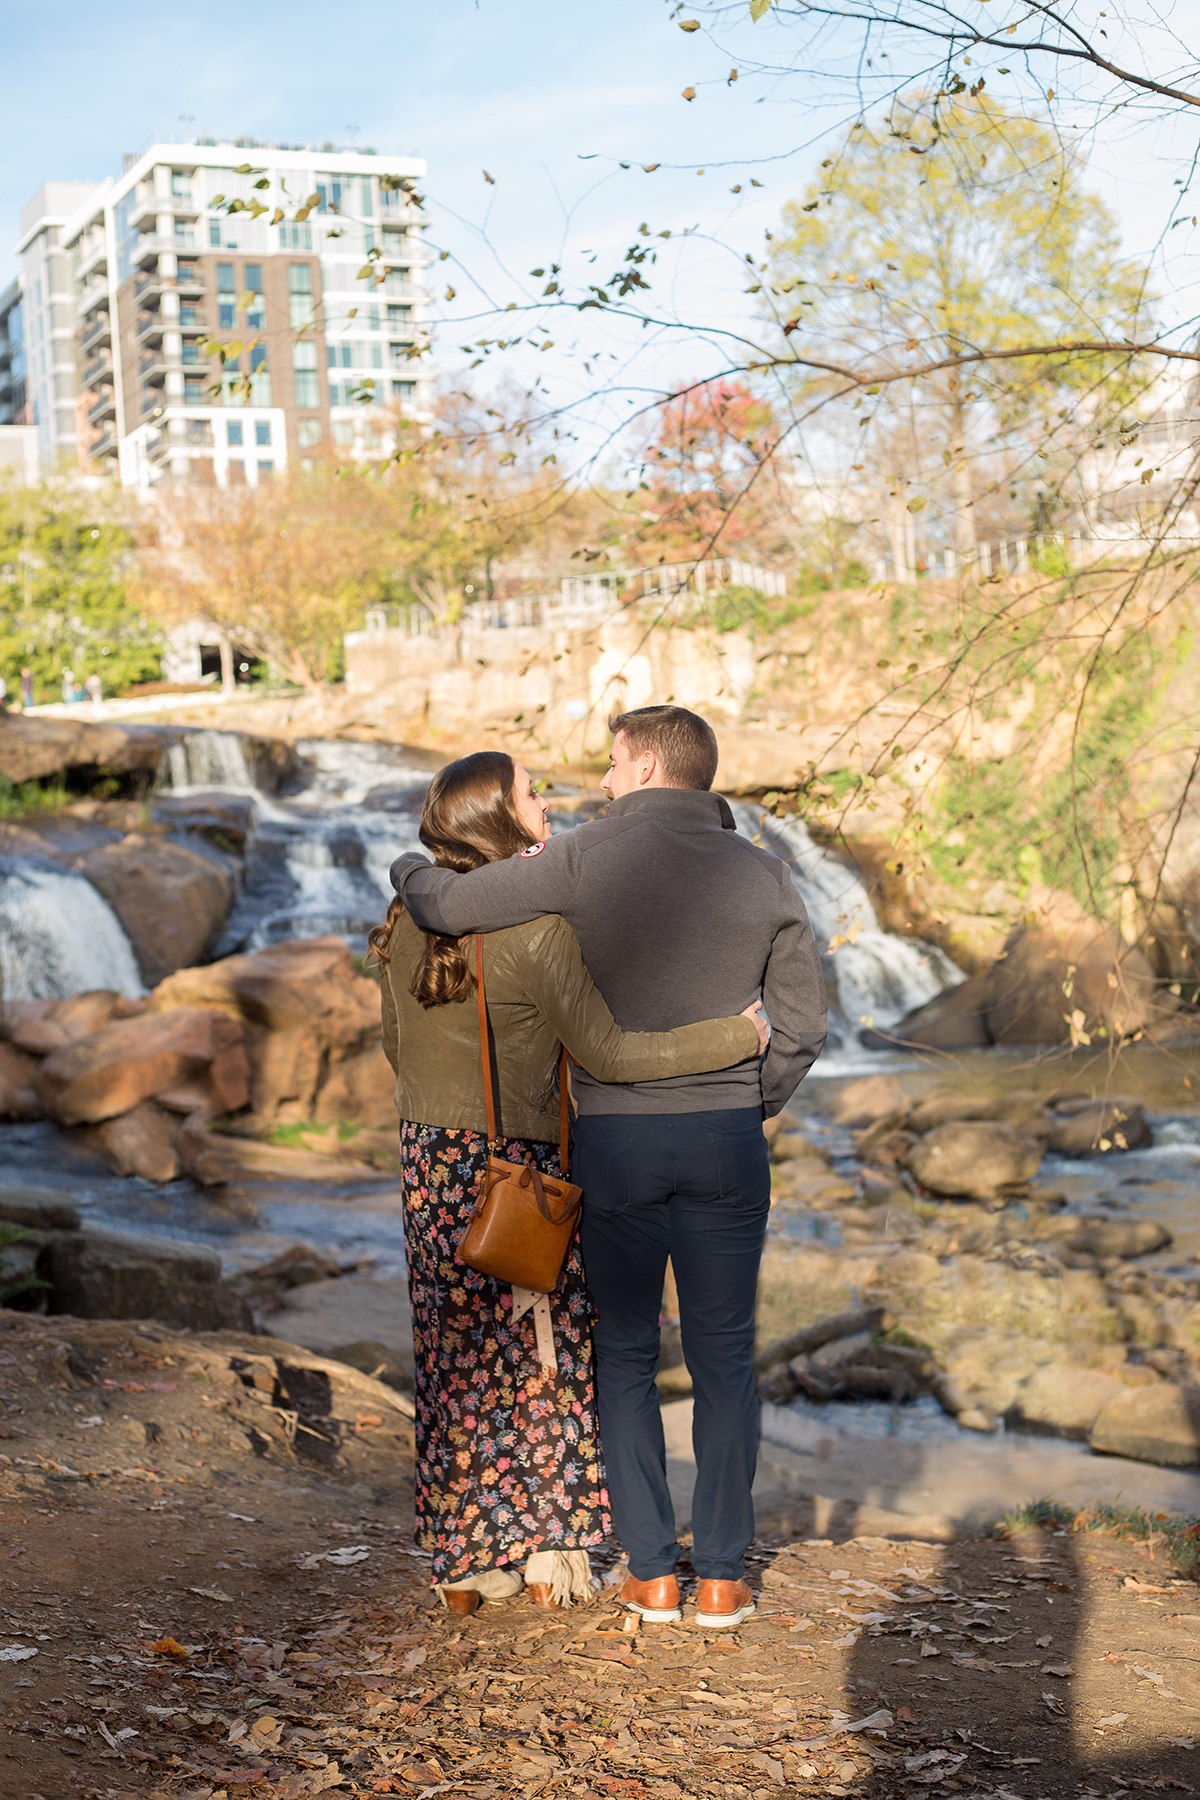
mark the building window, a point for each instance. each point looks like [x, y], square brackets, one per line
[304, 365]
[181, 185]
[226, 297]
[190, 355]
[368, 204]
[397, 281]
[265, 470]
[233, 431]
[399, 315]
[237, 472]
[295, 237]
[335, 395]
[197, 431]
[343, 431]
[214, 234]
[399, 354]
[330, 188]
[262, 432]
[403, 390]
[308, 433]
[300, 295]
[377, 356]
[193, 393]
[225, 281]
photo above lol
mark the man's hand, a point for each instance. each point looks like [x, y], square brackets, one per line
[761, 1023]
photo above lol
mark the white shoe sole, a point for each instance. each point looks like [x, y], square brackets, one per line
[650, 1615]
[722, 1621]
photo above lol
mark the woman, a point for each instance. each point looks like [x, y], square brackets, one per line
[508, 1461]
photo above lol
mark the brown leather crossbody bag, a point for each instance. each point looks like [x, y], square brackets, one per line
[523, 1221]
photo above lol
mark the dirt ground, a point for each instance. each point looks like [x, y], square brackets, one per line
[218, 1608]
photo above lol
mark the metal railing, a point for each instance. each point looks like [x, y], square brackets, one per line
[96, 333]
[1037, 554]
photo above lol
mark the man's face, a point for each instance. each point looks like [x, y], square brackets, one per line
[626, 773]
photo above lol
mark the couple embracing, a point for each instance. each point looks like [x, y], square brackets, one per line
[635, 941]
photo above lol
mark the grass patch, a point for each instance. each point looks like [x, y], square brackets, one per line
[19, 799]
[1178, 1532]
[294, 1135]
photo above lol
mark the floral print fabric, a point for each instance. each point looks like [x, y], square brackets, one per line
[508, 1458]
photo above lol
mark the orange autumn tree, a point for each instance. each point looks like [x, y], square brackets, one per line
[710, 470]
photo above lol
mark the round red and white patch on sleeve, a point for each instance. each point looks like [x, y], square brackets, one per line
[533, 850]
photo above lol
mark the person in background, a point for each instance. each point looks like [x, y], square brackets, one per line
[675, 913]
[509, 1468]
[68, 687]
[26, 687]
[3, 694]
[95, 689]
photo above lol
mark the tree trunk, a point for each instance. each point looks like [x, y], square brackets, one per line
[899, 519]
[228, 680]
[964, 497]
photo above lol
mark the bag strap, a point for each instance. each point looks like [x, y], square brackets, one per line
[489, 1097]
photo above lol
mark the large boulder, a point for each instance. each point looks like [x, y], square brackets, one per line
[309, 1020]
[112, 1275]
[975, 1159]
[142, 1142]
[170, 899]
[18, 1095]
[1157, 1425]
[33, 748]
[1060, 963]
[1064, 1398]
[214, 1158]
[1080, 1126]
[134, 1059]
[953, 1020]
[1109, 1238]
[869, 1098]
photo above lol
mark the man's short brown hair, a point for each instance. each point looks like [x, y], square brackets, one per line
[684, 743]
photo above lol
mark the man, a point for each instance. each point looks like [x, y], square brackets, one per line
[679, 919]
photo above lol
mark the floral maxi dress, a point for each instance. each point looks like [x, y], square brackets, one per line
[508, 1458]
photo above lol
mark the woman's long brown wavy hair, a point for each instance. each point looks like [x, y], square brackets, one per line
[468, 819]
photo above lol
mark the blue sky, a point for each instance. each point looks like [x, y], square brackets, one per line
[527, 89]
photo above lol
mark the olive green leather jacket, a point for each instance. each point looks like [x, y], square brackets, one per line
[538, 995]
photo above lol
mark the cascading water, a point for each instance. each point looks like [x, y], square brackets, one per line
[878, 977]
[208, 759]
[58, 935]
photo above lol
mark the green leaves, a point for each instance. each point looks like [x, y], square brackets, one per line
[758, 8]
[917, 505]
[689, 24]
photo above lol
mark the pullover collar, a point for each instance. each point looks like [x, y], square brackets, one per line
[693, 808]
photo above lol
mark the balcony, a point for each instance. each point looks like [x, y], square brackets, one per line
[190, 280]
[153, 368]
[91, 256]
[103, 408]
[153, 246]
[99, 332]
[149, 328]
[99, 369]
[91, 296]
[104, 445]
[193, 358]
[191, 319]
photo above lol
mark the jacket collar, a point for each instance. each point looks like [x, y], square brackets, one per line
[693, 807]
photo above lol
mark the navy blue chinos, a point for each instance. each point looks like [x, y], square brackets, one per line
[695, 1187]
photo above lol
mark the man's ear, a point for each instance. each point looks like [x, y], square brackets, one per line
[647, 768]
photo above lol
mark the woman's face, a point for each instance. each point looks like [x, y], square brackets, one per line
[529, 806]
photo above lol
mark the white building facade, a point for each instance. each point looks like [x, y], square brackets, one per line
[146, 273]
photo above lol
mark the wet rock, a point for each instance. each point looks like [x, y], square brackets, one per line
[297, 1267]
[953, 1020]
[18, 1096]
[885, 1141]
[378, 1361]
[309, 1020]
[1110, 1237]
[978, 1159]
[111, 1275]
[862, 1102]
[32, 748]
[215, 1158]
[1157, 1425]
[945, 1106]
[170, 900]
[1025, 1001]
[791, 1146]
[142, 1142]
[1064, 1399]
[38, 1209]
[133, 1059]
[1083, 1127]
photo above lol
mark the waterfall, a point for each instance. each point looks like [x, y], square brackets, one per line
[58, 936]
[878, 977]
[209, 759]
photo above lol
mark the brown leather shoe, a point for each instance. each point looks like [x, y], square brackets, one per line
[657, 1601]
[542, 1594]
[463, 1601]
[720, 1604]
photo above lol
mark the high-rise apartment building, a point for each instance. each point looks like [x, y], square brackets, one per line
[12, 355]
[152, 268]
[46, 320]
